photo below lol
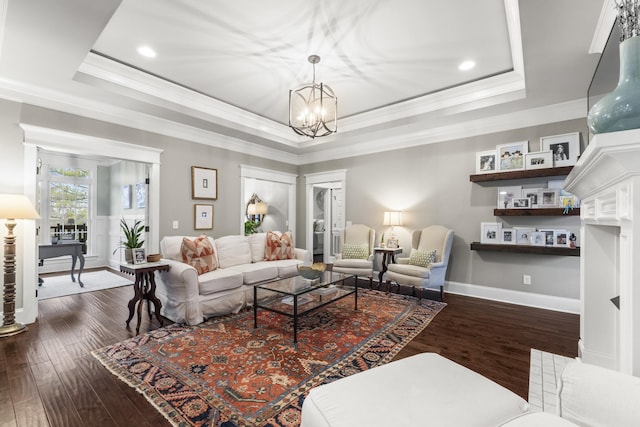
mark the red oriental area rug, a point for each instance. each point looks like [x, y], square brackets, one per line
[226, 373]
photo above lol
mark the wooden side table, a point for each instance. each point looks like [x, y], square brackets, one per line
[144, 288]
[388, 257]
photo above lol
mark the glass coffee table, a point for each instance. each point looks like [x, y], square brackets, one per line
[296, 296]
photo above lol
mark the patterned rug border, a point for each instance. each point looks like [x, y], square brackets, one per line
[418, 315]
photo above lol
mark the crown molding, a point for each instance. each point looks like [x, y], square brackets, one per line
[605, 23]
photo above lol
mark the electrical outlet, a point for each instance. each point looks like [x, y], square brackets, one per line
[526, 279]
[175, 225]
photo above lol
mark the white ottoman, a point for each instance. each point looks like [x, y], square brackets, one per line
[426, 389]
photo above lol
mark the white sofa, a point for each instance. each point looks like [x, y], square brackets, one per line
[428, 389]
[190, 298]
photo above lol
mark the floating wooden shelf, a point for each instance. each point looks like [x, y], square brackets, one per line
[536, 212]
[526, 249]
[531, 173]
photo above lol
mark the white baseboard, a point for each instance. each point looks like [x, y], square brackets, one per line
[548, 302]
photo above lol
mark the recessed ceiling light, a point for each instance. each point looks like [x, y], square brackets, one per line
[466, 65]
[147, 51]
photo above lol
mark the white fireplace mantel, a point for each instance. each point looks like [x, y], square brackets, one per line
[607, 180]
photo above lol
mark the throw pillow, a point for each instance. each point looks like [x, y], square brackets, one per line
[355, 251]
[278, 246]
[199, 253]
[422, 258]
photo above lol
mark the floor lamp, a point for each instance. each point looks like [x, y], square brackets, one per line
[12, 207]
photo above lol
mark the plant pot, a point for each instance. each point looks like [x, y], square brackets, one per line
[620, 110]
[128, 256]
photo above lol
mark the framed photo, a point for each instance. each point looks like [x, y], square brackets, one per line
[506, 196]
[565, 148]
[549, 236]
[521, 203]
[126, 197]
[204, 183]
[568, 202]
[511, 156]
[523, 235]
[538, 238]
[141, 195]
[392, 243]
[562, 238]
[538, 160]
[508, 236]
[139, 256]
[532, 194]
[203, 217]
[490, 232]
[548, 198]
[486, 162]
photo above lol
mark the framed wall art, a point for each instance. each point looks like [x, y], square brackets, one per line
[490, 232]
[508, 236]
[506, 196]
[565, 148]
[532, 194]
[548, 198]
[125, 196]
[204, 183]
[203, 217]
[511, 156]
[486, 161]
[538, 160]
[523, 235]
[141, 195]
[521, 203]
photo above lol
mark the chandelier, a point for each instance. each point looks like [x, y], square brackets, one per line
[313, 107]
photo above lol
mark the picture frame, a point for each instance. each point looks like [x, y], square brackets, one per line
[521, 203]
[141, 194]
[139, 256]
[392, 243]
[125, 196]
[538, 238]
[204, 183]
[538, 160]
[511, 156]
[549, 236]
[532, 194]
[490, 232]
[203, 217]
[561, 238]
[548, 198]
[508, 236]
[523, 235]
[507, 194]
[565, 148]
[568, 202]
[486, 161]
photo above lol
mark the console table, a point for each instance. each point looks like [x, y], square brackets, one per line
[73, 248]
[144, 288]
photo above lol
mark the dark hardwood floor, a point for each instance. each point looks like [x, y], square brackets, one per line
[49, 378]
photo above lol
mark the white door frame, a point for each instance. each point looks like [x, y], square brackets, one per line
[67, 142]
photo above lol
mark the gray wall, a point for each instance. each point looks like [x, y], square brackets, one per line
[430, 184]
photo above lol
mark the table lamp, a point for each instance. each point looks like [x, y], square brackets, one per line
[392, 218]
[12, 207]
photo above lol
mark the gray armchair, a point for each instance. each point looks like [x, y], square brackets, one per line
[356, 251]
[433, 238]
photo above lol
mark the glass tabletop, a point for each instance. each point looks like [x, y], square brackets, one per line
[298, 285]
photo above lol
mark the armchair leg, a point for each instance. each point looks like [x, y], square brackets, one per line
[441, 293]
[370, 282]
[388, 283]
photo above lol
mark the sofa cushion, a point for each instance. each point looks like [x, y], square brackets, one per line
[199, 253]
[257, 242]
[286, 267]
[539, 419]
[256, 272]
[355, 251]
[219, 280]
[410, 270]
[422, 258]
[233, 250]
[278, 246]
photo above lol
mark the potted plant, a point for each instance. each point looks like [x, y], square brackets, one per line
[132, 239]
[250, 227]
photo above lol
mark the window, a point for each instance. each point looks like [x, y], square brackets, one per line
[66, 186]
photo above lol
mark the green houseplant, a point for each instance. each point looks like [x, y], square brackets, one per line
[132, 238]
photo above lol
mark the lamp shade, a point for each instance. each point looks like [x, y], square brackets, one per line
[17, 206]
[251, 209]
[392, 218]
[261, 208]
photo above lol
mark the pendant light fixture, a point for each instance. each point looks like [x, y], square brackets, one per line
[313, 107]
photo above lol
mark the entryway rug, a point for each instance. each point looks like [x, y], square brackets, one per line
[58, 286]
[224, 373]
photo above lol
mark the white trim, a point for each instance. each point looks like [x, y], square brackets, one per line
[247, 171]
[547, 302]
[338, 175]
[606, 21]
[3, 22]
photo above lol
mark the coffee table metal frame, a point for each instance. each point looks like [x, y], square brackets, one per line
[297, 288]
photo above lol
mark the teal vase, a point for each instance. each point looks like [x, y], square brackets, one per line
[620, 110]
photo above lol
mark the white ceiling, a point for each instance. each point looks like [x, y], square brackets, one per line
[224, 69]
